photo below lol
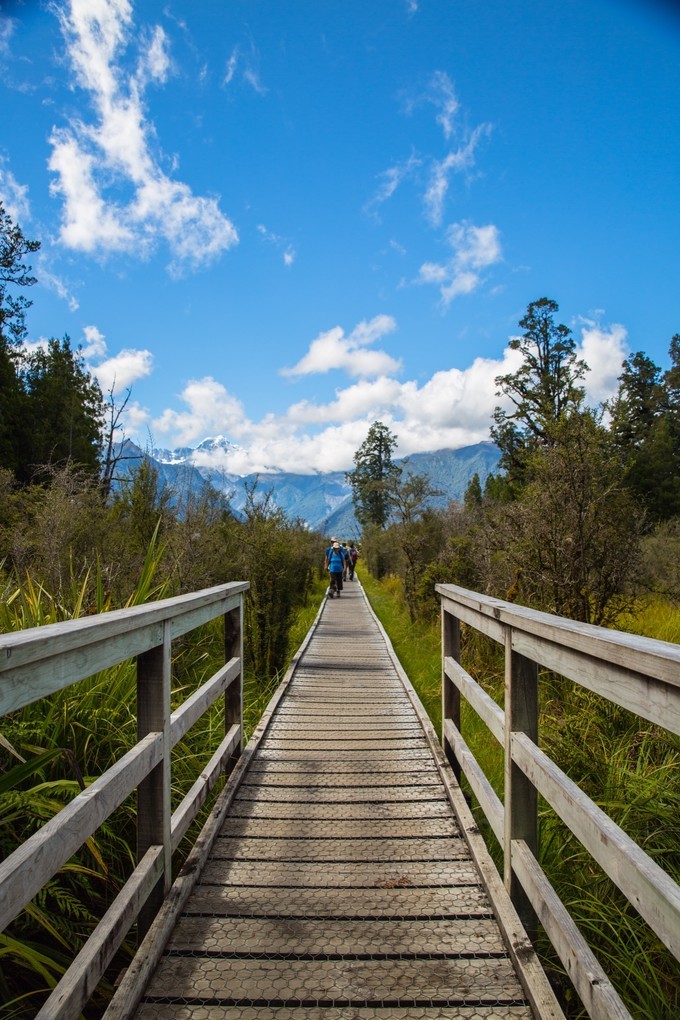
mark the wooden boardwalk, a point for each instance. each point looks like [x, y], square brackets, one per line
[339, 886]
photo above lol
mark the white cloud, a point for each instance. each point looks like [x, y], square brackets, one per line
[14, 196]
[452, 409]
[604, 351]
[7, 26]
[232, 64]
[117, 373]
[211, 410]
[463, 159]
[460, 159]
[390, 180]
[116, 197]
[250, 75]
[475, 249]
[442, 95]
[289, 254]
[333, 350]
[94, 345]
[155, 61]
[123, 369]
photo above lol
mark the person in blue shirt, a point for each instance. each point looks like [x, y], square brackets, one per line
[335, 564]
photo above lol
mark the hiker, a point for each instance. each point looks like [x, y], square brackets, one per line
[334, 564]
[345, 560]
[353, 557]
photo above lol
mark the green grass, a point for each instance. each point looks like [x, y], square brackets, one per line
[629, 768]
[69, 739]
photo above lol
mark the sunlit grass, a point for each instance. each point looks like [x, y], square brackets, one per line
[628, 767]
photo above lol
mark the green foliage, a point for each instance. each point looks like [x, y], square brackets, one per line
[65, 408]
[570, 544]
[14, 248]
[374, 476]
[629, 768]
[14, 272]
[279, 560]
[52, 749]
[543, 389]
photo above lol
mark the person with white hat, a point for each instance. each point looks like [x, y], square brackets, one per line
[335, 564]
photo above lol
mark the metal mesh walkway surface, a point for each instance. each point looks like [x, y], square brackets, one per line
[339, 886]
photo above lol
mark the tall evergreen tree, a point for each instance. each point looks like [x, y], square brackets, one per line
[14, 272]
[65, 410]
[374, 476]
[542, 390]
[645, 425]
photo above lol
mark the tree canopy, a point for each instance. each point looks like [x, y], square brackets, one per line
[544, 388]
[374, 476]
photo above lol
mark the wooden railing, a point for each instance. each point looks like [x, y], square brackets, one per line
[40, 661]
[639, 674]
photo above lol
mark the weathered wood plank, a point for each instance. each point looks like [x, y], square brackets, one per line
[196, 797]
[331, 937]
[646, 656]
[323, 795]
[160, 1011]
[364, 810]
[26, 871]
[489, 801]
[485, 707]
[193, 708]
[82, 977]
[465, 980]
[394, 899]
[339, 849]
[653, 892]
[345, 780]
[41, 660]
[335, 828]
[590, 981]
[357, 875]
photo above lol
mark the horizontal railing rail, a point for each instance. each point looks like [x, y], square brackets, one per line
[639, 674]
[40, 661]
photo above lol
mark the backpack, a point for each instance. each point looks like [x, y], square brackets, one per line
[335, 554]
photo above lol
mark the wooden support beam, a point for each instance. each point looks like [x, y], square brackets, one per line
[521, 798]
[153, 794]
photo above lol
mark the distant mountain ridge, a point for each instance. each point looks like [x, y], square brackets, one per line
[322, 500]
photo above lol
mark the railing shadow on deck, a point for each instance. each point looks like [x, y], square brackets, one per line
[636, 673]
[40, 661]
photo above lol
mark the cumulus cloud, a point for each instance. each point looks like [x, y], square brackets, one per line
[474, 249]
[211, 409]
[333, 350]
[115, 195]
[451, 409]
[604, 350]
[118, 372]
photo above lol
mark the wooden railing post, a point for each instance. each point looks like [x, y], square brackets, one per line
[521, 798]
[450, 626]
[233, 648]
[153, 793]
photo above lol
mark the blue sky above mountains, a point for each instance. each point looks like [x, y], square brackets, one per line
[278, 222]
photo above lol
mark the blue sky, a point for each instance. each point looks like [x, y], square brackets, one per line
[280, 221]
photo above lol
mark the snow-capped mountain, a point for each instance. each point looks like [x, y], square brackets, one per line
[322, 500]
